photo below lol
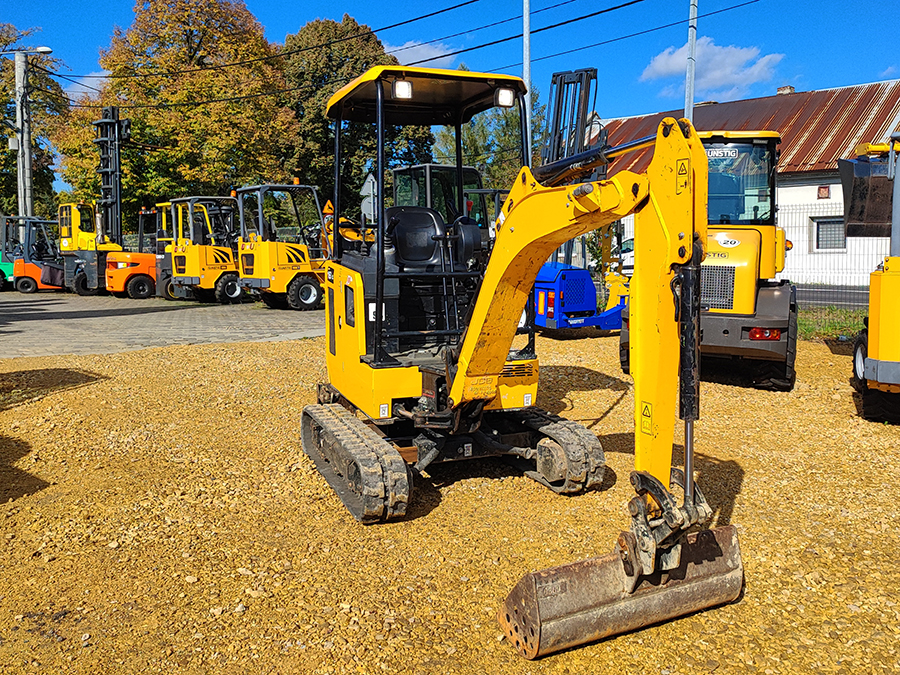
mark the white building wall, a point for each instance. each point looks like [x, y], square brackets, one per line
[798, 208]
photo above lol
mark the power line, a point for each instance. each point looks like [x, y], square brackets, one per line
[518, 35]
[625, 37]
[478, 28]
[355, 36]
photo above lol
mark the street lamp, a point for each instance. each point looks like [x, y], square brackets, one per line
[23, 126]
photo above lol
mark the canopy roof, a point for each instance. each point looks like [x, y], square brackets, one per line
[439, 97]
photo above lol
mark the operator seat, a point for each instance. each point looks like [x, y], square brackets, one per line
[412, 229]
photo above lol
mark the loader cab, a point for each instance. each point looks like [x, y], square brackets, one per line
[287, 213]
[205, 221]
[77, 227]
[399, 302]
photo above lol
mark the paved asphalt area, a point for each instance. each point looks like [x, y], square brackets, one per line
[53, 323]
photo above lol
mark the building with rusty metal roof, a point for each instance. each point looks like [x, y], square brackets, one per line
[817, 128]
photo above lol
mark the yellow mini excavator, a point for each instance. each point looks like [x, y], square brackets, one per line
[419, 333]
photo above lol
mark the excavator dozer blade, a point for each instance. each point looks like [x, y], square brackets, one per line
[570, 605]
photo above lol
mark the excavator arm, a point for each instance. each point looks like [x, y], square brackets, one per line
[669, 203]
[664, 566]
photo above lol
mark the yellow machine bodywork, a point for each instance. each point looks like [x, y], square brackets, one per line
[884, 323]
[78, 229]
[277, 262]
[202, 263]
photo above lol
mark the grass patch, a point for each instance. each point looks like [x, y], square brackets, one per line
[824, 323]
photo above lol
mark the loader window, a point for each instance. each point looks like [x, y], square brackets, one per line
[86, 217]
[741, 183]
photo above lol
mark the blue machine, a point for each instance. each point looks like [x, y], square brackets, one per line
[565, 297]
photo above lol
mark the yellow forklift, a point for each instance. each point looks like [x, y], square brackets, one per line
[872, 209]
[204, 260]
[422, 369]
[282, 245]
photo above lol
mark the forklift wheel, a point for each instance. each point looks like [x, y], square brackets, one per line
[80, 284]
[4, 282]
[26, 285]
[141, 287]
[169, 290]
[304, 293]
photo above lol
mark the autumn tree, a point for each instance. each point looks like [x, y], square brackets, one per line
[320, 58]
[46, 103]
[199, 124]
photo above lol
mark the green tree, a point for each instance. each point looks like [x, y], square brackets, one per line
[314, 74]
[198, 127]
[46, 103]
[492, 142]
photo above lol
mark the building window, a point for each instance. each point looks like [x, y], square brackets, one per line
[829, 234]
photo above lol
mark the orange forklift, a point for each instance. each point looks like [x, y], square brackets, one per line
[135, 274]
[30, 243]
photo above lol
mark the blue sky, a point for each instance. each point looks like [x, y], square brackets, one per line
[745, 52]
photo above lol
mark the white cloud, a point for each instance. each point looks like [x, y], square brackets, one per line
[412, 51]
[887, 72]
[84, 85]
[723, 73]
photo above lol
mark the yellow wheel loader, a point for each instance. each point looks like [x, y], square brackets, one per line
[419, 334]
[746, 313]
[872, 208]
[204, 249]
[283, 245]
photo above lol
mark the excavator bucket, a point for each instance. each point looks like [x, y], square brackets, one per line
[570, 605]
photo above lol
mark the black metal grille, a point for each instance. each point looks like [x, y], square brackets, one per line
[517, 370]
[717, 286]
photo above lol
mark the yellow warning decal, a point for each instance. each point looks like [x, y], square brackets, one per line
[681, 175]
[646, 418]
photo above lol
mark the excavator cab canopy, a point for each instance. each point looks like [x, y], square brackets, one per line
[423, 96]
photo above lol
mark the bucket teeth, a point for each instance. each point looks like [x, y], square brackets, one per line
[570, 605]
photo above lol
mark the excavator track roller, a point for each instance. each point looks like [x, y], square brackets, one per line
[586, 601]
[366, 472]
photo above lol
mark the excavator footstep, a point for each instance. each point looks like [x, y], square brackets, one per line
[581, 602]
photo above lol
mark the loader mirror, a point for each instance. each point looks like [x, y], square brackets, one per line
[505, 98]
[402, 89]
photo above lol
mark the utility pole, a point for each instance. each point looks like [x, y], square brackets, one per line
[691, 64]
[23, 128]
[526, 67]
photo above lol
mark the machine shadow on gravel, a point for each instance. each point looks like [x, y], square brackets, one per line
[14, 482]
[23, 386]
[557, 382]
[720, 481]
[14, 317]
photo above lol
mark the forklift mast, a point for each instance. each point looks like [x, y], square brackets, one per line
[111, 133]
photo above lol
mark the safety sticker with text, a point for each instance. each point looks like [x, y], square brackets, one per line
[646, 418]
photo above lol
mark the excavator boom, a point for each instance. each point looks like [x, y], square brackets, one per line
[662, 568]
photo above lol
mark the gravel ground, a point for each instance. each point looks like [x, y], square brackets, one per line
[159, 516]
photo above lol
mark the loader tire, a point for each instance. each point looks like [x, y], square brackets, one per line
[275, 300]
[304, 293]
[881, 406]
[26, 285]
[140, 287]
[80, 285]
[860, 352]
[169, 290]
[228, 289]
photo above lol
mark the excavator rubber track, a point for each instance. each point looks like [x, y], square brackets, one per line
[366, 472]
[585, 461]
